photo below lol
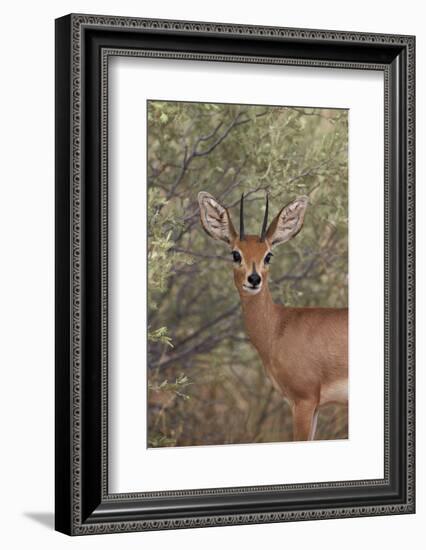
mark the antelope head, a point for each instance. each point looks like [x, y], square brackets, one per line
[251, 254]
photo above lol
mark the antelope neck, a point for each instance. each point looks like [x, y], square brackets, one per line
[259, 319]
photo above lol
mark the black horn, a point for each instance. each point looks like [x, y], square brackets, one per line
[242, 218]
[265, 221]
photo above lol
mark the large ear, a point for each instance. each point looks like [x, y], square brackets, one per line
[215, 218]
[288, 221]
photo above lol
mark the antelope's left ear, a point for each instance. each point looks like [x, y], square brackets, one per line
[288, 222]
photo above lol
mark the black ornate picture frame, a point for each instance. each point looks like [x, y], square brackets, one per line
[84, 43]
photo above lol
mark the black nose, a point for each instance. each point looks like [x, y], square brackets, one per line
[254, 279]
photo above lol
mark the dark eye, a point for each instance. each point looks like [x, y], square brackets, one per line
[268, 257]
[236, 256]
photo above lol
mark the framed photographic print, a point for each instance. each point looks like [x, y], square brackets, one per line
[234, 274]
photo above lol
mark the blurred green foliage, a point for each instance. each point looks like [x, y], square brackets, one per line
[206, 383]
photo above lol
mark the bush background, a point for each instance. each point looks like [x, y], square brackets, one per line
[206, 384]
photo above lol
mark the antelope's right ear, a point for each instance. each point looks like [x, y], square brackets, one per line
[215, 219]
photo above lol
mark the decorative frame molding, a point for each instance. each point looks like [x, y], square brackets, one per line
[84, 43]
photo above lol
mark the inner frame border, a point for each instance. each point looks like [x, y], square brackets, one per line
[106, 54]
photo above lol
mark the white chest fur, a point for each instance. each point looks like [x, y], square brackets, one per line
[335, 392]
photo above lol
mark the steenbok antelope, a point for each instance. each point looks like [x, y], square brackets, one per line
[304, 350]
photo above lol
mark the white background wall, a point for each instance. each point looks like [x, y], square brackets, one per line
[27, 262]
